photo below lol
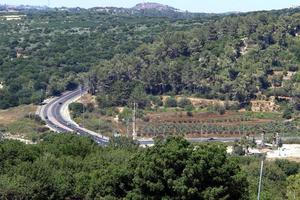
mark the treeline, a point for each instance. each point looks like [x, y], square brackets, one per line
[67, 166]
[239, 57]
[72, 167]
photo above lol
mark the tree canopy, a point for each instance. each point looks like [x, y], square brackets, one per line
[69, 166]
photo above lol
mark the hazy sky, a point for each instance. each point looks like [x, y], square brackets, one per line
[190, 5]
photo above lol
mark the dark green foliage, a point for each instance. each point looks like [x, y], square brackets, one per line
[104, 101]
[77, 108]
[156, 100]
[171, 102]
[37, 61]
[129, 57]
[234, 58]
[287, 113]
[288, 167]
[177, 170]
[238, 150]
[139, 97]
[66, 166]
[275, 176]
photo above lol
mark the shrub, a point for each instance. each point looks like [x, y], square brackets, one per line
[90, 107]
[171, 102]
[219, 108]
[184, 102]
[76, 108]
[287, 113]
[189, 114]
[156, 100]
[293, 68]
[104, 101]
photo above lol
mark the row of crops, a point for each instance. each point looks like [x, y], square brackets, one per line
[213, 120]
[152, 129]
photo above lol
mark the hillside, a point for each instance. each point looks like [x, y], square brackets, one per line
[238, 57]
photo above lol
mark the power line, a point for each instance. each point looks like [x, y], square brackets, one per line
[260, 178]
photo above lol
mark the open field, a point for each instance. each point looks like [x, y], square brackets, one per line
[16, 123]
[12, 115]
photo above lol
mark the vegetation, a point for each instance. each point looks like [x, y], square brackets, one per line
[276, 177]
[213, 127]
[235, 57]
[46, 53]
[68, 166]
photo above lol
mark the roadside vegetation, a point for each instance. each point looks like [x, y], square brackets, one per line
[67, 166]
[22, 123]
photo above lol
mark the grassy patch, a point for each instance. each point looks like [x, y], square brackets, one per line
[12, 115]
[15, 122]
[97, 123]
[27, 129]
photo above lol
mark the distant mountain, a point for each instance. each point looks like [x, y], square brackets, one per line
[155, 6]
[151, 10]
[20, 8]
[140, 10]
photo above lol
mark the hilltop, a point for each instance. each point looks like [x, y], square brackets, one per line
[154, 6]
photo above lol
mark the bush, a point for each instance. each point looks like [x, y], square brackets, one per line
[287, 113]
[156, 100]
[171, 102]
[184, 102]
[219, 108]
[189, 114]
[90, 107]
[293, 68]
[104, 101]
[238, 150]
[76, 108]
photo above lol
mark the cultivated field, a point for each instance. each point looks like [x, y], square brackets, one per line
[231, 124]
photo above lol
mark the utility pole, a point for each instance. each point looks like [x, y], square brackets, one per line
[41, 99]
[260, 177]
[127, 127]
[99, 125]
[134, 135]
[262, 145]
[81, 95]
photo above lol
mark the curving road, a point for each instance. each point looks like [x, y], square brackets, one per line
[55, 114]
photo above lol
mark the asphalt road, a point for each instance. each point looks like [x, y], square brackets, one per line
[52, 114]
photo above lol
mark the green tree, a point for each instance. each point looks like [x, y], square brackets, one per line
[170, 102]
[293, 188]
[175, 169]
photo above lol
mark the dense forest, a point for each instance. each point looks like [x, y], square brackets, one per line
[47, 53]
[72, 167]
[239, 57]
[236, 57]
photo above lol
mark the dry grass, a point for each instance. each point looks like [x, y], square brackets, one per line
[88, 98]
[12, 115]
